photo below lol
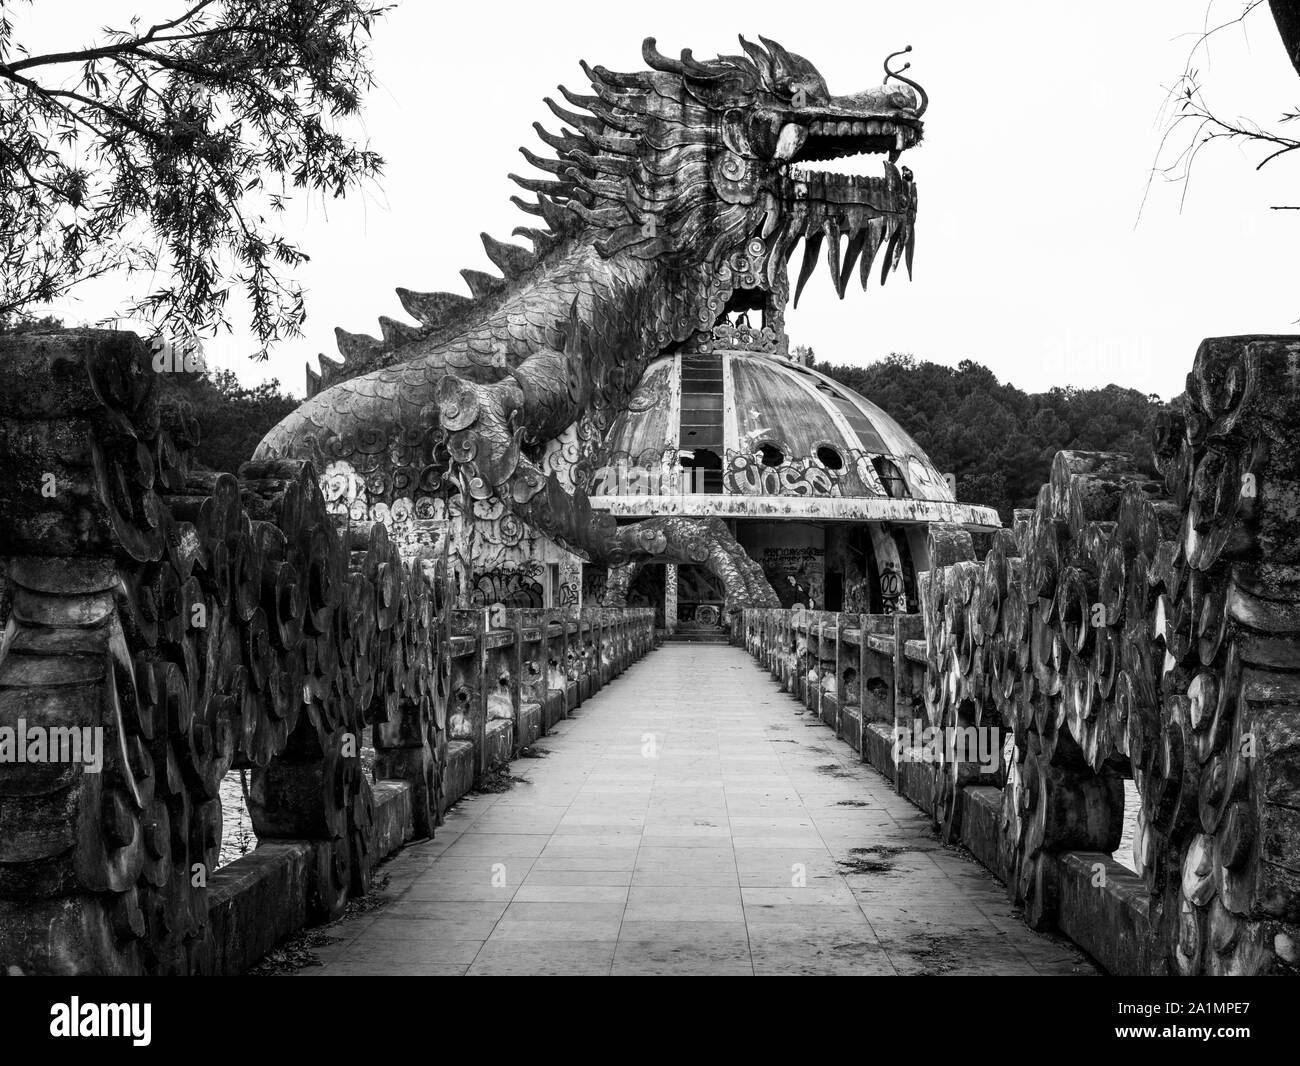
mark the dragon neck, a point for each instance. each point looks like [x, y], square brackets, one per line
[616, 297]
[630, 309]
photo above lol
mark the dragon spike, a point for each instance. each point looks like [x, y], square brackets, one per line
[586, 123]
[760, 58]
[626, 120]
[604, 79]
[557, 217]
[597, 187]
[434, 309]
[552, 166]
[481, 285]
[510, 259]
[331, 370]
[782, 61]
[564, 143]
[605, 76]
[543, 242]
[578, 99]
[539, 185]
[354, 346]
[525, 206]
[898, 74]
[605, 218]
[396, 333]
[602, 164]
[615, 145]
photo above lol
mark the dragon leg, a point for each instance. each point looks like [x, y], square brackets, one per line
[486, 427]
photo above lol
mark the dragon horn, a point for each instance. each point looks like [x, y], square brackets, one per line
[698, 70]
[653, 57]
[925, 97]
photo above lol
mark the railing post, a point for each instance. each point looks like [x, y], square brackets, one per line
[478, 693]
[864, 650]
[839, 680]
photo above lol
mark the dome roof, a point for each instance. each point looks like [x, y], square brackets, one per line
[736, 432]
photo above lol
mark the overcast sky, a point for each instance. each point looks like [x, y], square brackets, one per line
[1044, 122]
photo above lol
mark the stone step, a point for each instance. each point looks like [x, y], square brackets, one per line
[689, 637]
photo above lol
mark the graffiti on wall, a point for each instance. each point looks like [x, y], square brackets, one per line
[857, 596]
[520, 587]
[797, 575]
[569, 594]
[893, 597]
[746, 475]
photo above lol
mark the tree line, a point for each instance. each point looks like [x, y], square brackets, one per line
[996, 439]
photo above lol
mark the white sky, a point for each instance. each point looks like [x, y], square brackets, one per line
[1044, 123]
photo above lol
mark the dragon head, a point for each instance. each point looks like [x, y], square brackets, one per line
[692, 161]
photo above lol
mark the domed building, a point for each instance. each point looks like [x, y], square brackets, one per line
[819, 485]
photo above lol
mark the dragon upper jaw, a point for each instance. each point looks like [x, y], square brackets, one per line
[834, 133]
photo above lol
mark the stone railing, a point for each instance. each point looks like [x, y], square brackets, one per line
[163, 626]
[1128, 627]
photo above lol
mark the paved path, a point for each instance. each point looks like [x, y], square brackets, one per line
[691, 819]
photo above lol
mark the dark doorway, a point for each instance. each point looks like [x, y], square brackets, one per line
[700, 598]
[647, 590]
[909, 570]
[834, 590]
[866, 593]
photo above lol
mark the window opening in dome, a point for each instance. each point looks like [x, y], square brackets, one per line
[770, 454]
[700, 423]
[891, 478]
[702, 470]
[830, 458]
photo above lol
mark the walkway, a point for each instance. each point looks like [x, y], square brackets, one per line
[691, 819]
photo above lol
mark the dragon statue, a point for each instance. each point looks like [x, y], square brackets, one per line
[673, 196]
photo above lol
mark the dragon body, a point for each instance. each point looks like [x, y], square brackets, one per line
[673, 195]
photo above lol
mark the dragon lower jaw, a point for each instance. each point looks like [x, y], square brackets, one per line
[853, 216]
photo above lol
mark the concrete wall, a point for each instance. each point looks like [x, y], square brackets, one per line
[1100, 905]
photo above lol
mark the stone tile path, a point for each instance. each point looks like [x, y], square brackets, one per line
[691, 819]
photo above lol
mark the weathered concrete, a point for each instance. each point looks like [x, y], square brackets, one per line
[458, 774]
[262, 897]
[1105, 908]
[691, 818]
[394, 818]
[256, 901]
[981, 827]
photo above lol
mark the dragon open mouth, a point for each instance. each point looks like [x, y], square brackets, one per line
[852, 213]
[833, 138]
